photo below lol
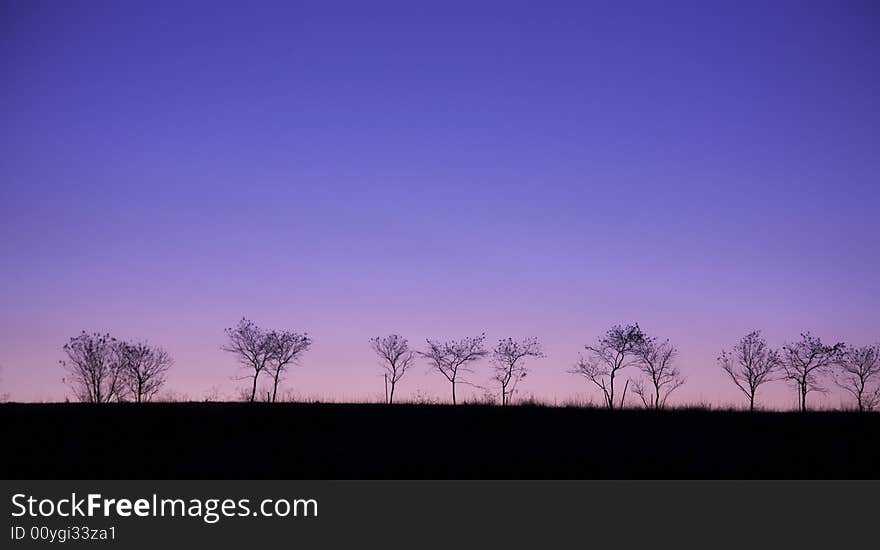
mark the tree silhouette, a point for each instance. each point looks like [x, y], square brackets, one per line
[655, 360]
[614, 351]
[858, 368]
[251, 347]
[95, 372]
[285, 349]
[395, 357]
[509, 363]
[750, 364]
[143, 368]
[454, 357]
[806, 361]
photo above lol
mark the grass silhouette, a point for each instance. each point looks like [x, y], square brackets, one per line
[418, 441]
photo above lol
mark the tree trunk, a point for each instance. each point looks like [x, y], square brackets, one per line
[275, 389]
[391, 395]
[752, 402]
[254, 388]
[453, 392]
[610, 395]
[804, 396]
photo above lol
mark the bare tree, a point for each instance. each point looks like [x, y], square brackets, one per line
[509, 363]
[395, 357]
[143, 368]
[655, 360]
[454, 357]
[285, 349]
[95, 373]
[858, 367]
[806, 361]
[614, 351]
[251, 347]
[750, 364]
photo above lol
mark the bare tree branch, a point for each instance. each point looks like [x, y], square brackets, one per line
[806, 362]
[454, 357]
[251, 347]
[655, 360]
[285, 349]
[94, 370]
[858, 369]
[751, 364]
[508, 361]
[144, 367]
[614, 351]
[395, 357]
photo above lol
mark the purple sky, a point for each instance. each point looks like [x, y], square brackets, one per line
[437, 170]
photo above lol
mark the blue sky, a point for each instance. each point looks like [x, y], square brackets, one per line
[435, 169]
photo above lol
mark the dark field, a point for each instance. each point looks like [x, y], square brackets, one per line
[341, 441]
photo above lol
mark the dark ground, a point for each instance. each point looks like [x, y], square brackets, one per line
[341, 441]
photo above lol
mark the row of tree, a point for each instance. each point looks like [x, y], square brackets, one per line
[103, 369]
[272, 351]
[453, 358]
[808, 364]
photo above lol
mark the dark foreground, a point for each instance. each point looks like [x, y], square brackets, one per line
[339, 441]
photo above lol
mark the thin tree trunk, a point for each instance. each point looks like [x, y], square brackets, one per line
[254, 388]
[453, 392]
[275, 389]
[391, 395]
[610, 395]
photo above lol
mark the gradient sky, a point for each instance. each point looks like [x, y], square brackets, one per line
[437, 170]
